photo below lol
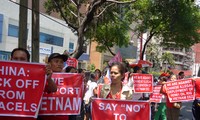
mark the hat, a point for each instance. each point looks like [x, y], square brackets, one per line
[165, 75]
[57, 55]
[136, 68]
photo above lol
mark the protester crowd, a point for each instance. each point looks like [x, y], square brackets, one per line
[113, 82]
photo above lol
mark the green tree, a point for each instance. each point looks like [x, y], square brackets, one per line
[88, 20]
[176, 21]
[168, 59]
[153, 54]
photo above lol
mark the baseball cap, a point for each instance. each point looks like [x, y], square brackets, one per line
[57, 55]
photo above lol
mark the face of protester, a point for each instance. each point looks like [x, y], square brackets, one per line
[73, 70]
[97, 75]
[57, 64]
[19, 56]
[95, 91]
[115, 74]
[181, 76]
[139, 71]
[173, 78]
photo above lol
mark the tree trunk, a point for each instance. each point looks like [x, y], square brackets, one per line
[80, 43]
[35, 31]
[198, 74]
[145, 45]
[22, 40]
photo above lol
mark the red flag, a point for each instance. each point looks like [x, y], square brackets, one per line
[116, 58]
[72, 62]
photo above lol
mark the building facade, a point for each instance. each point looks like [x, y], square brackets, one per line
[54, 35]
[184, 59]
[196, 66]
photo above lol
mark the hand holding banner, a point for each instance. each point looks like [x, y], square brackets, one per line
[18, 80]
[67, 100]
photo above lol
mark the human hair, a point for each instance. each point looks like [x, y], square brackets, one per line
[126, 65]
[99, 71]
[80, 70]
[92, 76]
[172, 75]
[136, 68]
[69, 68]
[180, 73]
[120, 66]
[164, 78]
[21, 49]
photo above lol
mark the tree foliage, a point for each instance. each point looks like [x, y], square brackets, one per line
[168, 58]
[92, 19]
[173, 20]
[153, 55]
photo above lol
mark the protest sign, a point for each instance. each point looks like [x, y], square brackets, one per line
[197, 88]
[143, 83]
[67, 100]
[107, 109]
[73, 62]
[156, 96]
[180, 90]
[21, 88]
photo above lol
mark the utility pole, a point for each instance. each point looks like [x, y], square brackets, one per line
[35, 31]
[22, 39]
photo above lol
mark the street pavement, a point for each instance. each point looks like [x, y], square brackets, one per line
[186, 111]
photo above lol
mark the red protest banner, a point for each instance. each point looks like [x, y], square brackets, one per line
[197, 88]
[143, 83]
[67, 100]
[18, 80]
[156, 96]
[72, 62]
[103, 109]
[180, 90]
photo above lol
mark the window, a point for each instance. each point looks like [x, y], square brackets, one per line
[4, 55]
[71, 47]
[1, 27]
[13, 30]
[51, 39]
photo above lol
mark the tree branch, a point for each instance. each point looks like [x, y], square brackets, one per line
[72, 12]
[63, 16]
[74, 2]
[119, 2]
[90, 14]
[147, 41]
[109, 50]
[103, 10]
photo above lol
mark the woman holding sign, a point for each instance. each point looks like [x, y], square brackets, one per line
[116, 90]
[173, 109]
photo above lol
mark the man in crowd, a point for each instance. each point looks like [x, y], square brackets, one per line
[181, 75]
[21, 54]
[56, 63]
